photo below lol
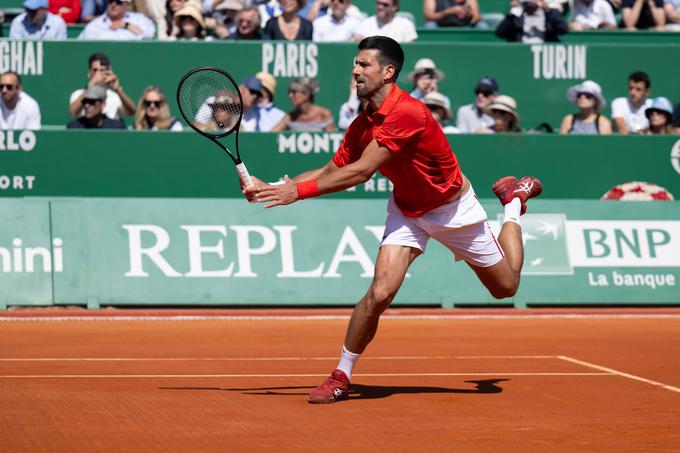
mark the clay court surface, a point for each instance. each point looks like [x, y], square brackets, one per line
[218, 380]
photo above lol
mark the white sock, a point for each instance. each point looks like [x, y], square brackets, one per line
[347, 361]
[512, 211]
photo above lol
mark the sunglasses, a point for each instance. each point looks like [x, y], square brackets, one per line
[90, 101]
[342, 2]
[156, 104]
[117, 2]
[586, 95]
[427, 72]
[484, 93]
[9, 86]
[383, 4]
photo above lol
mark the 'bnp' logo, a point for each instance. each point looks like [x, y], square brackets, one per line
[545, 245]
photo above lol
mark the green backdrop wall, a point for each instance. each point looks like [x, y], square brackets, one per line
[184, 164]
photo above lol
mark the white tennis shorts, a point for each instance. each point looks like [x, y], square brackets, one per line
[461, 226]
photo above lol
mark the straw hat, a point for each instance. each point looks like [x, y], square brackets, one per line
[436, 99]
[589, 87]
[268, 82]
[505, 104]
[424, 65]
[192, 11]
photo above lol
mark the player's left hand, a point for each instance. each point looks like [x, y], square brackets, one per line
[278, 195]
[251, 191]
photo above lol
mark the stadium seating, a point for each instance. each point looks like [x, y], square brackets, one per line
[536, 76]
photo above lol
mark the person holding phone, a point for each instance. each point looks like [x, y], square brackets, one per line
[118, 103]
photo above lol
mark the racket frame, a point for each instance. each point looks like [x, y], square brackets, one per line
[238, 162]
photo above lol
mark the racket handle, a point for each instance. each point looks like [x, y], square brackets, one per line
[243, 174]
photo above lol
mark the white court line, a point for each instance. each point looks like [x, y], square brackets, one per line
[113, 376]
[618, 373]
[257, 359]
[327, 317]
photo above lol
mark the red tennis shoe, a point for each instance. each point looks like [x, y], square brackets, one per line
[510, 187]
[335, 388]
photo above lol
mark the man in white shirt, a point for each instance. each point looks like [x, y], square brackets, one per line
[387, 23]
[336, 26]
[592, 15]
[629, 112]
[119, 24]
[118, 103]
[37, 23]
[18, 110]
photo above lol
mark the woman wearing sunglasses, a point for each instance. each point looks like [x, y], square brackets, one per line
[587, 96]
[153, 112]
[305, 115]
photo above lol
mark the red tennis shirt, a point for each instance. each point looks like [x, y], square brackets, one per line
[423, 169]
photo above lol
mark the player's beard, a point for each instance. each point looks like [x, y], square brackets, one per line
[364, 91]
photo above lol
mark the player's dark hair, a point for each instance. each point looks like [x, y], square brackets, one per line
[101, 57]
[640, 76]
[390, 52]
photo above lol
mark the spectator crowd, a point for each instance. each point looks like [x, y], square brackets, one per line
[103, 102]
[330, 20]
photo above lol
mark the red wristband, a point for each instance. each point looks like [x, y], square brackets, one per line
[308, 189]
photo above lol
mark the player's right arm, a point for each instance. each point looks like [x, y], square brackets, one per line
[316, 173]
[331, 179]
[258, 184]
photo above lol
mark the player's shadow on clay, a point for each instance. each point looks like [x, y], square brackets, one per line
[360, 391]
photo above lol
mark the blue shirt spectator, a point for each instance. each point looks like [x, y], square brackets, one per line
[92, 8]
[37, 23]
[264, 116]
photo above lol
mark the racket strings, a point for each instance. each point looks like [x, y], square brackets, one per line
[211, 102]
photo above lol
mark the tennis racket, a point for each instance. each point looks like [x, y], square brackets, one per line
[210, 102]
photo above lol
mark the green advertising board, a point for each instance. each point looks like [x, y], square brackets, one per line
[185, 165]
[537, 76]
[107, 251]
[26, 251]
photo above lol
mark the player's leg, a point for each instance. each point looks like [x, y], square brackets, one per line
[502, 279]
[402, 242]
[390, 269]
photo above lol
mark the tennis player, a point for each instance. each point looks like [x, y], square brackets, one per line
[397, 135]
